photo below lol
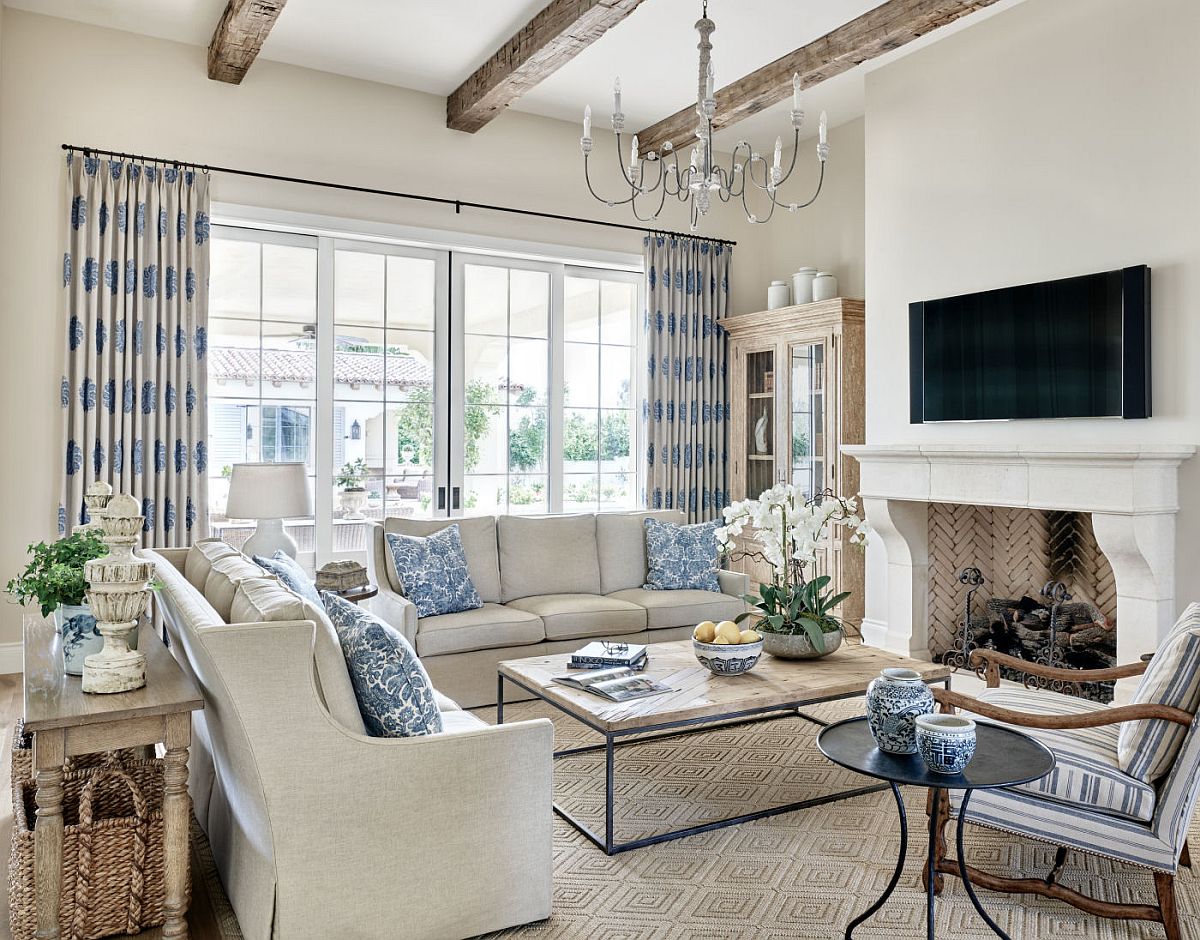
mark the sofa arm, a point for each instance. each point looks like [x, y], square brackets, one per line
[395, 610]
[454, 830]
[733, 582]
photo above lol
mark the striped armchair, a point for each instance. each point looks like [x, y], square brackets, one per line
[1126, 781]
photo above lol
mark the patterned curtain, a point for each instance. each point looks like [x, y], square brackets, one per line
[135, 291]
[686, 404]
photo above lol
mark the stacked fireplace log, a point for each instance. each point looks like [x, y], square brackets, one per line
[1021, 627]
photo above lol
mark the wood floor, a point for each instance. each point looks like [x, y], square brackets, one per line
[201, 922]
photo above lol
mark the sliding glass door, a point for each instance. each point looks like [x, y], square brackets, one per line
[418, 383]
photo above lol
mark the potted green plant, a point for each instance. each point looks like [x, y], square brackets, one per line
[353, 494]
[54, 581]
[795, 613]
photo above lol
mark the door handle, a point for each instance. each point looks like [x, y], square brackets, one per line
[455, 497]
[441, 497]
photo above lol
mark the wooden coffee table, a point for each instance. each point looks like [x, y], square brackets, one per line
[775, 688]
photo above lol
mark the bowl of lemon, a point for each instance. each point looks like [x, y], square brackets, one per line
[725, 649]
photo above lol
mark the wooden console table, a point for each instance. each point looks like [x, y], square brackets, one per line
[64, 721]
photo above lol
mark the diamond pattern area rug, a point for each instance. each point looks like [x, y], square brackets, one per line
[804, 874]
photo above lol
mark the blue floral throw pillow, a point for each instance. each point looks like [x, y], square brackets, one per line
[393, 690]
[288, 570]
[433, 571]
[681, 556]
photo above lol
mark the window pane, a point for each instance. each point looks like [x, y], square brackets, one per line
[528, 495]
[233, 357]
[289, 290]
[528, 370]
[409, 365]
[485, 299]
[289, 361]
[581, 368]
[230, 440]
[486, 368]
[413, 441]
[581, 309]
[286, 433]
[234, 289]
[409, 495]
[358, 288]
[580, 440]
[615, 367]
[411, 284]
[529, 303]
[581, 492]
[485, 495]
[528, 439]
[485, 438]
[616, 491]
[618, 306]
[616, 439]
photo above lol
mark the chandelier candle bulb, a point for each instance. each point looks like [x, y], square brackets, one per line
[587, 121]
[617, 95]
[823, 129]
[795, 91]
[778, 151]
[633, 153]
[708, 82]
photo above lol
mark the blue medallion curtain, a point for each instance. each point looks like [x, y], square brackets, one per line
[687, 398]
[135, 301]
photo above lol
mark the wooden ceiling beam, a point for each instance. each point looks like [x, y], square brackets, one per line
[889, 26]
[541, 47]
[239, 36]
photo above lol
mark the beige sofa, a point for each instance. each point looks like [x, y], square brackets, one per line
[318, 830]
[549, 584]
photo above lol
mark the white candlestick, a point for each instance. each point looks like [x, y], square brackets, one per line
[708, 81]
[633, 151]
[617, 95]
[587, 121]
[824, 122]
[795, 91]
[778, 151]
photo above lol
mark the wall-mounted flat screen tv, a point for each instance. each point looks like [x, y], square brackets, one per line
[1074, 348]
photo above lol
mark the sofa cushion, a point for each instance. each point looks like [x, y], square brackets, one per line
[1086, 772]
[567, 616]
[455, 722]
[487, 627]
[200, 558]
[267, 600]
[221, 583]
[548, 555]
[288, 570]
[1147, 749]
[445, 703]
[478, 535]
[681, 608]
[394, 693]
[681, 557]
[621, 544]
[434, 572]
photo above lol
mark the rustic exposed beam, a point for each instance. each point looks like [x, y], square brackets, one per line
[239, 36]
[889, 26]
[542, 46]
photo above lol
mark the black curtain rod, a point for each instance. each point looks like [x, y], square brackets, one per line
[459, 204]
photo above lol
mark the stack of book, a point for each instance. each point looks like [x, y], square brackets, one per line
[601, 655]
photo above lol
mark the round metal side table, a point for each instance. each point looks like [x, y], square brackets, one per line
[1003, 758]
[357, 595]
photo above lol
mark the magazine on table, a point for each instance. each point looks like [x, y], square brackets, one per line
[608, 654]
[617, 685]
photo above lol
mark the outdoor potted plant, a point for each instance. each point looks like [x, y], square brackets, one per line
[354, 495]
[795, 613]
[54, 581]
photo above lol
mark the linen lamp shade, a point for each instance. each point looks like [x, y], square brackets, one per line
[269, 492]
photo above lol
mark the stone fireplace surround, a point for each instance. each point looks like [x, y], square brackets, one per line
[1131, 494]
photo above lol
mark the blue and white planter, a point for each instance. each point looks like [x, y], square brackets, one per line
[80, 638]
[946, 742]
[894, 700]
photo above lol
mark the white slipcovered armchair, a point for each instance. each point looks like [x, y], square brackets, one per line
[1127, 777]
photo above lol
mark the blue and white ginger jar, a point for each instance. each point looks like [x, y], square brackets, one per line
[894, 700]
[80, 637]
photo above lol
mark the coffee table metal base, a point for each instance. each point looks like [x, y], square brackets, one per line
[671, 729]
[930, 871]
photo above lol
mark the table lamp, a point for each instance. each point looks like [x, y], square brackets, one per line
[269, 493]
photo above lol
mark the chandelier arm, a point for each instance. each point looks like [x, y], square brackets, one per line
[588, 179]
[792, 166]
[754, 219]
[654, 215]
[803, 205]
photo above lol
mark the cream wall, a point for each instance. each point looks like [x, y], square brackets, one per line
[1056, 138]
[68, 82]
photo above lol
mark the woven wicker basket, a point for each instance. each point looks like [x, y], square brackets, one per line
[22, 758]
[113, 873]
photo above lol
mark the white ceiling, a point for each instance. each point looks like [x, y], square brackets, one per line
[423, 45]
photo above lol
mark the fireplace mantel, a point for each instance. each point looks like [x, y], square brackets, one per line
[1130, 492]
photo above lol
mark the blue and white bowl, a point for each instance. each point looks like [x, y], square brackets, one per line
[946, 742]
[727, 659]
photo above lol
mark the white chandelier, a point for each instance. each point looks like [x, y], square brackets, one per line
[703, 177]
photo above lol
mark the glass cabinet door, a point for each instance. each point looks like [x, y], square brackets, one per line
[808, 417]
[760, 421]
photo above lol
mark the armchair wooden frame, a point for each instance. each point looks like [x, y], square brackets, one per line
[1166, 911]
